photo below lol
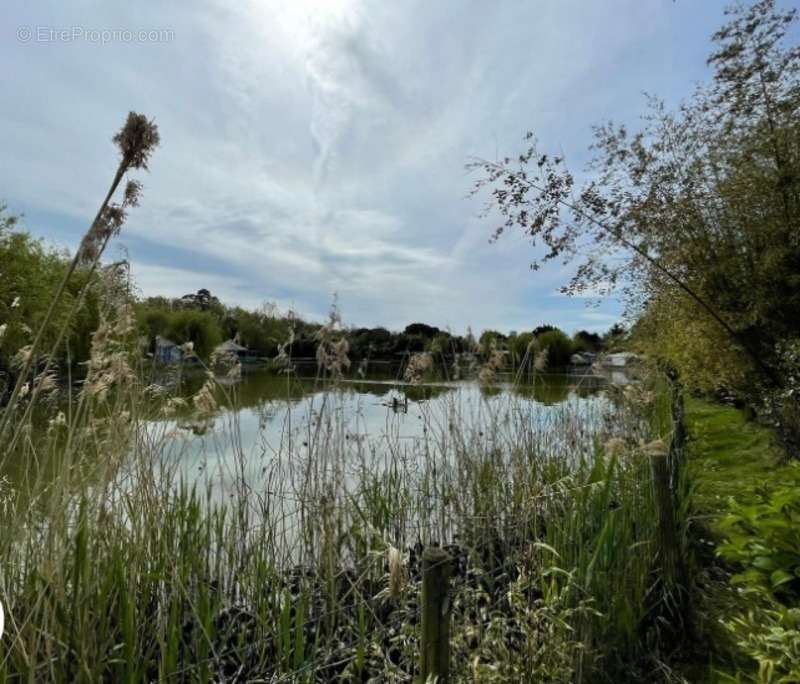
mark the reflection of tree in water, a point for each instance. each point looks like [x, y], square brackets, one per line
[266, 411]
[198, 427]
[554, 389]
[259, 387]
[266, 393]
[488, 391]
[424, 392]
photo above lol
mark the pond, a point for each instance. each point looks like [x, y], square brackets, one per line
[271, 429]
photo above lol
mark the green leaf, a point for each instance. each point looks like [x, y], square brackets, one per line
[780, 577]
[764, 563]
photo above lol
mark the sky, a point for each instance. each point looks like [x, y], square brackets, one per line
[315, 149]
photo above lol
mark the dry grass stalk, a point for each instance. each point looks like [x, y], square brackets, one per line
[418, 365]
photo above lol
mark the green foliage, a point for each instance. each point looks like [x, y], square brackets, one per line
[30, 274]
[695, 346]
[198, 327]
[764, 539]
[489, 340]
[263, 330]
[202, 319]
[372, 343]
[521, 346]
[547, 646]
[558, 345]
[747, 495]
[422, 330]
[586, 341]
[541, 329]
[771, 637]
[441, 344]
[154, 321]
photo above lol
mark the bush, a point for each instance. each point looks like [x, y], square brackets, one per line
[371, 343]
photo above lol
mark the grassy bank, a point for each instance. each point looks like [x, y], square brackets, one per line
[745, 505]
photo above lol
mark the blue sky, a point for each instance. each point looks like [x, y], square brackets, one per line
[316, 147]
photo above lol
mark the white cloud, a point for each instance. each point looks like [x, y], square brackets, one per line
[317, 146]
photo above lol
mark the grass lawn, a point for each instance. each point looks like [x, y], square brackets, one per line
[730, 460]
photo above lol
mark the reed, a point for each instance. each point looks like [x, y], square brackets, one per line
[120, 563]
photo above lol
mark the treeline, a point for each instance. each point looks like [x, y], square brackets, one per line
[201, 319]
[31, 271]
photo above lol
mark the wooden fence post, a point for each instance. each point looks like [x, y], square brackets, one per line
[668, 540]
[677, 450]
[434, 655]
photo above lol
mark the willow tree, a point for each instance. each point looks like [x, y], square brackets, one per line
[697, 212]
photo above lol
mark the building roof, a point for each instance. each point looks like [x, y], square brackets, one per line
[619, 359]
[230, 346]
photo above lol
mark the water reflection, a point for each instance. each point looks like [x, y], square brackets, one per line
[268, 417]
[264, 387]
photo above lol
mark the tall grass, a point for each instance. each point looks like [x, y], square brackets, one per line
[120, 564]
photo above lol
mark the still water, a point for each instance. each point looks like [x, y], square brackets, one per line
[268, 422]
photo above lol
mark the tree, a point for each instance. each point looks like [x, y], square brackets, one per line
[539, 329]
[197, 327]
[443, 344]
[586, 341]
[616, 337]
[371, 343]
[558, 347]
[31, 273]
[203, 300]
[154, 322]
[490, 339]
[521, 346]
[700, 207]
[421, 329]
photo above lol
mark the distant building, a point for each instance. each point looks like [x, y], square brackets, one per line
[619, 360]
[232, 347]
[166, 351]
[583, 358]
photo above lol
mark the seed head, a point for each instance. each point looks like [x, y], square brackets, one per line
[614, 446]
[397, 572]
[136, 140]
[133, 191]
[655, 448]
[418, 364]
